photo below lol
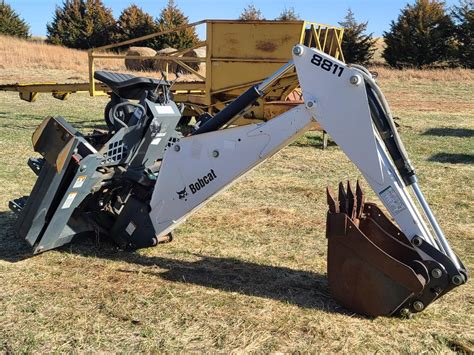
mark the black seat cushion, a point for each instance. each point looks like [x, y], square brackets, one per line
[127, 86]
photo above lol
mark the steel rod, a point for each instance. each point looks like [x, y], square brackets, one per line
[434, 223]
[268, 82]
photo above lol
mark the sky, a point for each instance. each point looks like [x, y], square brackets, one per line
[379, 13]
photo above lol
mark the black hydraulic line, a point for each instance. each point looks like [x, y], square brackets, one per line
[380, 119]
[230, 111]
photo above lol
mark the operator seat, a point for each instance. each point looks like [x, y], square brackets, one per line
[127, 86]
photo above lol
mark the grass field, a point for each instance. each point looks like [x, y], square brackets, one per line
[246, 273]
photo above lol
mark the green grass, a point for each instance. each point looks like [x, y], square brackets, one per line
[246, 273]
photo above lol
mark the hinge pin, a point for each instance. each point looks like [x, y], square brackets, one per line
[418, 306]
[436, 273]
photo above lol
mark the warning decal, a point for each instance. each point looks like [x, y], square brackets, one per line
[391, 200]
[69, 200]
[79, 181]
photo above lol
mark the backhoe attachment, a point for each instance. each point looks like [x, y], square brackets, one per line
[142, 177]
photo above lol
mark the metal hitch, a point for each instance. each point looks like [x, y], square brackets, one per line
[372, 267]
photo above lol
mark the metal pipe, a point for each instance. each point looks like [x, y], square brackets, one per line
[434, 223]
[268, 82]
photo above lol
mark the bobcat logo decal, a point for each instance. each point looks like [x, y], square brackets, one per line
[182, 194]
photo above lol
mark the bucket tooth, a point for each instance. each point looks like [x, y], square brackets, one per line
[333, 203]
[360, 200]
[351, 203]
[342, 199]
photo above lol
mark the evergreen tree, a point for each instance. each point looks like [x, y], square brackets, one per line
[171, 17]
[11, 24]
[357, 46]
[133, 23]
[82, 24]
[288, 15]
[464, 18]
[421, 36]
[251, 13]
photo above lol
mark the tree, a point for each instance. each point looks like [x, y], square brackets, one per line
[357, 46]
[251, 13]
[133, 23]
[421, 36]
[11, 24]
[171, 17]
[463, 16]
[81, 24]
[288, 15]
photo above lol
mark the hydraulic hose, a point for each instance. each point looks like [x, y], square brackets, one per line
[243, 101]
[383, 121]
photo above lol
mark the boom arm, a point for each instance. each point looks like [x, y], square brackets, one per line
[349, 106]
[336, 95]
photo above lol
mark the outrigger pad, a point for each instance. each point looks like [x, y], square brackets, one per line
[372, 268]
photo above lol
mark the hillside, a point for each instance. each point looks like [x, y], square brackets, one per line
[33, 61]
[23, 61]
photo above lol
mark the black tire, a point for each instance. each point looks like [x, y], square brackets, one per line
[125, 111]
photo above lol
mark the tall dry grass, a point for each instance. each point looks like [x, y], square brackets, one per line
[26, 60]
[19, 53]
[449, 74]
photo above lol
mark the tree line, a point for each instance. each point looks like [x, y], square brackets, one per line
[425, 33]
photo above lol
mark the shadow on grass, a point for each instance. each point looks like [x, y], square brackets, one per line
[31, 123]
[82, 128]
[12, 248]
[313, 140]
[450, 132]
[301, 288]
[452, 158]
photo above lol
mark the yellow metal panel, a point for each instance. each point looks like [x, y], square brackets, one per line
[229, 74]
[260, 40]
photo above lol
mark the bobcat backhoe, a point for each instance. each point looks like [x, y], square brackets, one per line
[140, 179]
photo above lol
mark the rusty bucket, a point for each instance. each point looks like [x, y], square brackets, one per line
[372, 268]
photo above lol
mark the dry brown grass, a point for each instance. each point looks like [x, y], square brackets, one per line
[18, 53]
[246, 273]
[436, 75]
[23, 61]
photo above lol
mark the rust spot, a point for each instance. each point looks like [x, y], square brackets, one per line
[287, 38]
[266, 46]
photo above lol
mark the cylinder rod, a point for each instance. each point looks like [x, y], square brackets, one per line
[434, 223]
[243, 101]
[268, 82]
